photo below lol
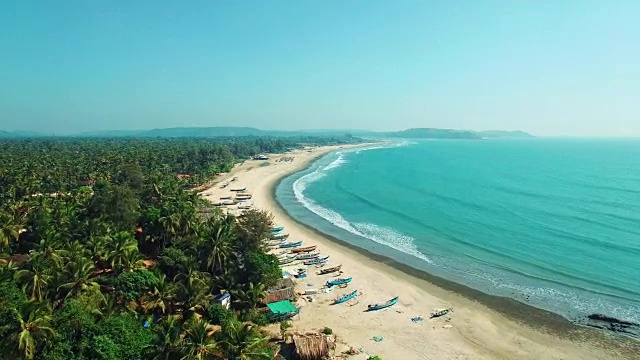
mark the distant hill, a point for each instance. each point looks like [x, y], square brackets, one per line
[19, 134]
[428, 133]
[226, 131]
[501, 134]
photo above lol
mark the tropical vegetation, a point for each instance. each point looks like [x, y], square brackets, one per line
[107, 251]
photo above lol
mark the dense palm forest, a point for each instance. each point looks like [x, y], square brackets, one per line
[105, 253]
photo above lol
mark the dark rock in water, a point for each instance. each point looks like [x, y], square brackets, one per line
[612, 324]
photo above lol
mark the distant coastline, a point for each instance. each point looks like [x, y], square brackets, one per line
[222, 131]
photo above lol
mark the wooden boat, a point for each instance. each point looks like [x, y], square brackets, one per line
[304, 249]
[330, 270]
[346, 297]
[274, 243]
[243, 197]
[317, 261]
[279, 237]
[277, 229]
[337, 282]
[307, 256]
[287, 260]
[290, 245]
[239, 189]
[440, 312]
[374, 307]
[225, 197]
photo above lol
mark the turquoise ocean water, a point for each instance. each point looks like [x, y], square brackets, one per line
[552, 223]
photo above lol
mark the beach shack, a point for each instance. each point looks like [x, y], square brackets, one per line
[312, 346]
[282, 310]
[283, 290]
[224, 300]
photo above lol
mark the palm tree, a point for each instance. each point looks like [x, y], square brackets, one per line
[120, 248]
[77, 277]
[32, 326]
[161, 298]
[218, 245]
[7, 270]
[9, 230]
[35, 276]
[198, 342]
[251, 296]
[193, 292]
[168, 342]
[242, 342]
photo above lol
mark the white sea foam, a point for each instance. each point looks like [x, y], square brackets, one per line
[378, 234]
[391, 238]
[337, 162]
[570, 303]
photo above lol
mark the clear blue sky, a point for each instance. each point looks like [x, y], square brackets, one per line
[548, 67]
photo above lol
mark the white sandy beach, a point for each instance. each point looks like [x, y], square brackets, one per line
[473, 331]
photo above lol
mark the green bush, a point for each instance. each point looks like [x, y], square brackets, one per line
[131, 285]
[327, 331]
[374, 358]
[259, 318]
[217, 314]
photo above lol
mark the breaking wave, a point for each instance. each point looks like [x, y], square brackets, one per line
[381, 235]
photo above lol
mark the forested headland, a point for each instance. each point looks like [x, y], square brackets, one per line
[106, 253]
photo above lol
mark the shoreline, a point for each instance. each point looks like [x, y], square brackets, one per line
[519, 330]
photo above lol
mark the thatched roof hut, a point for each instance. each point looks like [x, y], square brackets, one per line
[312, 346]
[284, 290]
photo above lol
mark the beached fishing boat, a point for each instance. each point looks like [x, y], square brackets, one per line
[274, 243]
[346, 297]
[279, 237]
[337, 282]
[374, 307]
[277, 229]
[239, 189]
[303, 249]
[225, 197]
[307, 256]
[290, 245]
[317, 261]
[287, 260]
[440, 312]
[330, 270]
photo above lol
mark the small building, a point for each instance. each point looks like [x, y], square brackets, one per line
[260, 157]
[282, 310]
[312, 346]
[283, 290]
[224, 300]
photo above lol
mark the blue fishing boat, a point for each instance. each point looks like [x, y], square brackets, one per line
[279, 236]
[275, 243]
[307, 256]
[317, 261]
[290, 245]
[287, 260]
[389, 303]
[346, 297]
[337, 282]
[277, 229]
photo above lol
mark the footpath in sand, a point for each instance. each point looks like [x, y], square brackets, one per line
[472, 331]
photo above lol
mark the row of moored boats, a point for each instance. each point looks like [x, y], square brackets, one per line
[290, 252]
